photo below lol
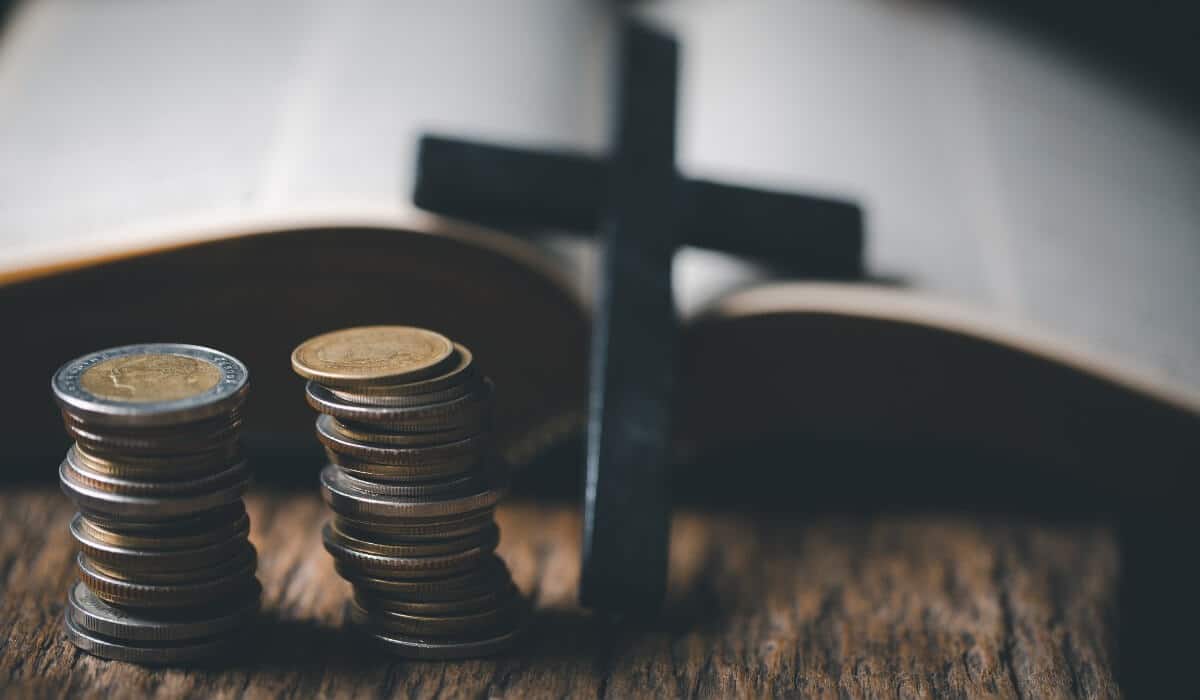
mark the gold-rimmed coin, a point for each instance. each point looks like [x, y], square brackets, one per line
[115, 591]
[368, 355]
[442, 649]
[139, 487]
[399, 474]
[157, 468]
[489, 574]
[462, 376]
[154, 653]
[372, 435]
[134, 560]
[141, 571]
[464, 410]
[372, 601]
[486, 538]
[410, 529]
[347, 499]
[93, 615]
[465, 449]
[165, 539]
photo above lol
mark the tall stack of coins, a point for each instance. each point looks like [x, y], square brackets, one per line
[166, 572]
[413, 486]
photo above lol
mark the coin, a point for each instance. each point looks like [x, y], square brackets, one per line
[371, 601]
[399, 474]
[487, 538]
[429, 489]
[150, 385]
[146, 507]
[80, 473]
[156, 468]
[450, 452]
[460, 377]
[466, 409]
[137, 559]
[151, 572]
[141, 444]
[411, 529]
[489, 574]
[504, 614]
[347, 499]
[91, 614]
[358, 432]
[149, 653]
[437, 566]
[373, 355]
[162, 539]
[191, 524]
[115, 591]
[435, 649]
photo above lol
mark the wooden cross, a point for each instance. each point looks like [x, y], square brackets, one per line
[644, 211]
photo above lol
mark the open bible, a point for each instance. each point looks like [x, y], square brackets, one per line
[247, 187]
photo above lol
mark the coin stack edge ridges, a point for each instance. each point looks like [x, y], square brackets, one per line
[166, 572]
[412, 485]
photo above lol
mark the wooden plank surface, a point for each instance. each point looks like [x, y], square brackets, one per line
[889, 606]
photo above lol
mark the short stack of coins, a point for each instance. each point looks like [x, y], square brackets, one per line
[413, 487]
[166, 573]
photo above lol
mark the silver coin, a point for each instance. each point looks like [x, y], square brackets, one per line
[218, 389]
[230, 473]
[149, 653]
[382, 453]
[144, 507]
[428, 418]
[143, 595]
[426, 489]
[351, 501]
[137, 558]
[487, 538]
[94, 615]
[434, 649]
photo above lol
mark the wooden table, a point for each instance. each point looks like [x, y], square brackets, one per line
[881, 606]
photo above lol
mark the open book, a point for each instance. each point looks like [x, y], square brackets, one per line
[237, 177]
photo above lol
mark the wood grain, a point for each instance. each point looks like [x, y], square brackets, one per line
[760, 605]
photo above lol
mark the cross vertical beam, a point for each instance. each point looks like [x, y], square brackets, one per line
[634, 338]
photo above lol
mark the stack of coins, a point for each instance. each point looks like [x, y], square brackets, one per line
[166, 572]
[413, 487]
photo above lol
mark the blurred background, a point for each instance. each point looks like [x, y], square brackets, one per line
[1039, 161]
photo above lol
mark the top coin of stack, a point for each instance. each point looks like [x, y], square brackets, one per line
[167, 574]
[413, 486]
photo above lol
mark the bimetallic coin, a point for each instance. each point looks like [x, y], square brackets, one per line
[157, 468]
[446, 415]
[138, 570]
[470, 483]
[150, 653]
[374, 565]
[116, 506]
[119, 592]
[138, 444]
[229, 474]
[450, 452]
[487, 538]
[461, 376]
[371, 602]
[399, 474]
[195, 523]
[434, 649]
[489, 574]
[159, 539]
[348, 500]
[150, 385]
[134, 563]
[356, 432]
[93, 615]
[416, 529]
[495, 619]
[373, 355]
